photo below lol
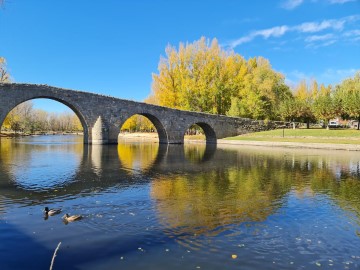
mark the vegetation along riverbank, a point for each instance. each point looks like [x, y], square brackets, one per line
[339, 139]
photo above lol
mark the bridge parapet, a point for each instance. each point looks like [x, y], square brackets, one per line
[102, 116]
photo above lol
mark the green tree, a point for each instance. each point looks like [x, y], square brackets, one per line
[287, 109]
[324, 104]
[201, 76]
[303, 105]
[348, 96]
[262, 91]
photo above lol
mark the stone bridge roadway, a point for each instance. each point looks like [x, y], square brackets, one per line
[102, 116]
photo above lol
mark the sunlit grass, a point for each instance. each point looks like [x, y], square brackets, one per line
[195, 137]
[334, 136]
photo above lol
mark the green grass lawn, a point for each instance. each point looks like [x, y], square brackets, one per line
[339, 136]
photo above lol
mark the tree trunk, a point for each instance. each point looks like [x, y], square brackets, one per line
[358, 122]
[307, 124]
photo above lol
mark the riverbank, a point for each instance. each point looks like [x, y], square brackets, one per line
[14, 135]
[350, 143]
[296, 145]
[337, 140]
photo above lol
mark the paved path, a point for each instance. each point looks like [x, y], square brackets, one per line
[328, 146]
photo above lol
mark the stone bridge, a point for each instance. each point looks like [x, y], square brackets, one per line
[103, 116]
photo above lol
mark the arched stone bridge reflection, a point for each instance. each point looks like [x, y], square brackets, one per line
[101, 167]
[183, 182]
[103, 116]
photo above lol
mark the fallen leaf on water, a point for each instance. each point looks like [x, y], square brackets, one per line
[234, 256]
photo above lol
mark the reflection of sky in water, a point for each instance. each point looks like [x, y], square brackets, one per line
[273, 209]
[42, 162]
[45, 169]
[50, 139]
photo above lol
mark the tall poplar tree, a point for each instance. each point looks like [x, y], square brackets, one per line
[324, 104]
[201, 76]
[348, 95]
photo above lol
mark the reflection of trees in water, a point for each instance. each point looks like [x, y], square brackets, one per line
[201, 191]
[246, 187]
[137, 156]
[195, 152]
[211, 201]
[46, 165]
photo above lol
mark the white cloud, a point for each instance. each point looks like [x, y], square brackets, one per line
[313, 27]
[307, 27]
[319, 45]
[319, 37]
[340, 1]
[277, 31]
[291, 4]
[352, 33]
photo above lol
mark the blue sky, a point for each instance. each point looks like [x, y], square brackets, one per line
[112, 47]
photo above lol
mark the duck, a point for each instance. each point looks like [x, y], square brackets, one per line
[69, 218]
[51, 212]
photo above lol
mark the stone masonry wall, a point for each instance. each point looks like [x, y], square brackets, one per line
[102, 116]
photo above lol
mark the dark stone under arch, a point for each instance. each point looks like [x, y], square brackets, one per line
[209, 132]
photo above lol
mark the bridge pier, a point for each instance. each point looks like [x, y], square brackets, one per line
[174, 137]
[100, 133]
[113, 134]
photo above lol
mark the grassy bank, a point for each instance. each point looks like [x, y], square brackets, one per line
[334, 136]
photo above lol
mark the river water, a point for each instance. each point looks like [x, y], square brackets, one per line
[150, 206]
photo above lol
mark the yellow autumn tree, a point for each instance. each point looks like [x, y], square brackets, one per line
[304, 97]
[4, 74]
[201, 76]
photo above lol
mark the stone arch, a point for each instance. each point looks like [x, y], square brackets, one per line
[163, 137]
[208, 130]
[78, 113]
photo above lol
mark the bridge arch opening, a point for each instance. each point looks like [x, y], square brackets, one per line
[202, 132]
[142, 127]
[43, 115]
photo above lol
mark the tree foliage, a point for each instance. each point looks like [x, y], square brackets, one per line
[4, 74]
[304, 97]
[348, 96]
[202, 77]
[324, 106]
[138, 123]
[24, 118]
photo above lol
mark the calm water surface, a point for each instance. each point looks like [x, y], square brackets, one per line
[147, 206]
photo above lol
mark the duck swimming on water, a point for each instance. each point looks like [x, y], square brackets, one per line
[68, 218]
[51, 212]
